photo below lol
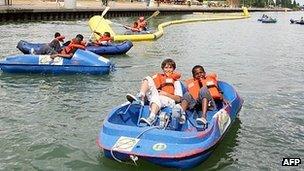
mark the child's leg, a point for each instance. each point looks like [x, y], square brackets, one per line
[204, 97]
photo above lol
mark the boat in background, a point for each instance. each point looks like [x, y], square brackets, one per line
[269, 20]
[111, 49]
[266, 19]
[168, 142]
[301, 22]
[84, 62]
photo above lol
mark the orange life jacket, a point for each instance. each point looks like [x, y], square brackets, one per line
[210, 81]
[166, 83]
[142, 24]
[105, 38]
[135, 27]
[74, 45]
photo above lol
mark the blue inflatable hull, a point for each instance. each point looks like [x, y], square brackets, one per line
[122, 137]
[84, 62]
[113, 49]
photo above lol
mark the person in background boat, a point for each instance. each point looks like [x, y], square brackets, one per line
[264, 16]
[104, 39]
[162, 89]
[134, 28]
[50, 48]
[202, 91]
[142, 23]
[70, 49]
[56, 43]
[139, 25]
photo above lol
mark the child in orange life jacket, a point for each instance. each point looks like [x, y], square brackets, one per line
[104, 39]
[135, 27]
[139, 25]
[201, 94]
[142, 23]
[68, 51]
[162, 89]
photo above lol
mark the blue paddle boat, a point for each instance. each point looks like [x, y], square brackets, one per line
[82, 61]
[269, 20]
[168, 142]
[301, 22]
[111, 49]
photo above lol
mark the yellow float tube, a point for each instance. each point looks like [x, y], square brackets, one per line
[99, 24]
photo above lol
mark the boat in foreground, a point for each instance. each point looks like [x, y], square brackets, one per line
[84, 62]
[111, 49]
[168, 142]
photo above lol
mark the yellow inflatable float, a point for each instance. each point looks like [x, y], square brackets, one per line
[99, 24]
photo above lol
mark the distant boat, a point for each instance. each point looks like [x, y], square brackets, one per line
[263, 17]
[301, 22]
[269, 20]
[84, 62]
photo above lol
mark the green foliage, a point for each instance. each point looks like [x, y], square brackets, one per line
[270, 3]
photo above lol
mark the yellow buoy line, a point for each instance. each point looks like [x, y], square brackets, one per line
[99, 24]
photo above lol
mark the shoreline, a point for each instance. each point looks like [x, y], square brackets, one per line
[30, 10]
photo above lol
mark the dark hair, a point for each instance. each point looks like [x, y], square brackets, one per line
[107, 34]
[197, 67]
[80, 37]
[57, 34]
[169, 62]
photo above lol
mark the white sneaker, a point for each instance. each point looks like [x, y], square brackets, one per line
[149, 120]
[182, 119]
[32, 51]
[201, 121]
[131, 98]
